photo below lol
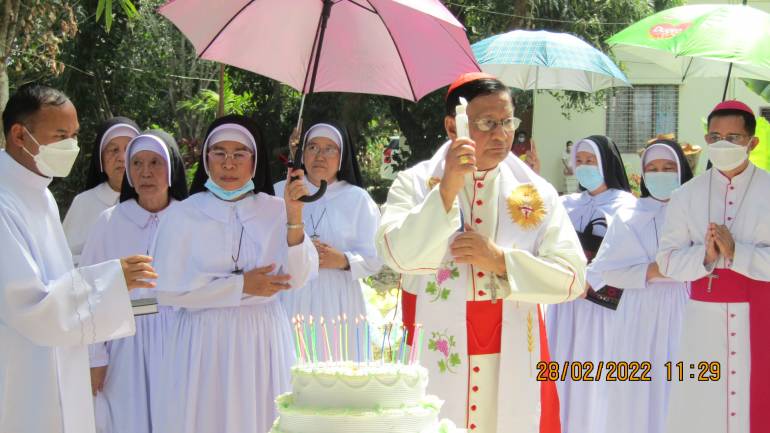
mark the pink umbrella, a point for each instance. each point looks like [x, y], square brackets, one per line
[403, 48]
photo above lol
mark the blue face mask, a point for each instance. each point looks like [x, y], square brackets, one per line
[661, 184]
[229, 195]
[589, 177]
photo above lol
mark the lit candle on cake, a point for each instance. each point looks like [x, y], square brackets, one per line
[326, 339]
[358, 346]
[312, 340]
[384, 336]
[345, 337]
[296, 338]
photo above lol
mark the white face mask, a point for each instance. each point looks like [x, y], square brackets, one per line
[726, 156]
[55, 159]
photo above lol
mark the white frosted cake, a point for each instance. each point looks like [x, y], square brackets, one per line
[349, 397]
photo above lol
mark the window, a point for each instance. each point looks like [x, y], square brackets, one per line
[635, 115]
[765, 112]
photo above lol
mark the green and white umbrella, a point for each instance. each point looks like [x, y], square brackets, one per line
[700, 41]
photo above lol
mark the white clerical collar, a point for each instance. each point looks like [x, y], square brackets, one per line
[738, 179]
[139, 215]
[21, 176]
[603, 197]
[105, 194]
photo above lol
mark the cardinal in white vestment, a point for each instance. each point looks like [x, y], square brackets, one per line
[717, 236]
[481, 240]
[49, 311]
[105, 176]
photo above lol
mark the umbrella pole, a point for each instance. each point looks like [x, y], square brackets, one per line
[727, 81]
[297, 160]
[301, 109]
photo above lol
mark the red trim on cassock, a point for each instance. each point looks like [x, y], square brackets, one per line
[549, 398]
[732, 287]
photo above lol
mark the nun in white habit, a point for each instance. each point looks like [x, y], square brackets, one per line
[105, 176]
[580, 330]
[342, 225]
[223, 255]
[649, 317]
[124, 373]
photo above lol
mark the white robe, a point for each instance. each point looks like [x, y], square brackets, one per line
[716, 331]
[229, 353]
[83, 213]
[579, 330]
[345, 218]
[130, 387]
[49, 312]
[494, 389]
[647, 322]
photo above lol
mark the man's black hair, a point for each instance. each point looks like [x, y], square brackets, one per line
[473, 89]
[27, 100]
[749, 121]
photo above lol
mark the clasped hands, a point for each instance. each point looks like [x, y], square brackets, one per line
[719, 241]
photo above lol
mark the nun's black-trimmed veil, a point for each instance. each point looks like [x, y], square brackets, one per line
[262, 179]
[684, 167]
[178, 189]
[612, 164]
[95, 175]
[349, 170]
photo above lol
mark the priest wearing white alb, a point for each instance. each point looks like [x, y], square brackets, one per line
[49, 311]
[717, 236]
[481, 240]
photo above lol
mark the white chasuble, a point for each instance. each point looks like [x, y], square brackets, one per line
[483, 340]
[49, 312]
[726, 322]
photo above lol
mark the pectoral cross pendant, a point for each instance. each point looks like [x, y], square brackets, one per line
[492, 287]
[237, 270]
[315, 236]
[711, 278]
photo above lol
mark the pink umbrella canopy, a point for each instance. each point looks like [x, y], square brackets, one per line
[402, 48]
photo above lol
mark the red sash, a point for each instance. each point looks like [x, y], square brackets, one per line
[732, 287]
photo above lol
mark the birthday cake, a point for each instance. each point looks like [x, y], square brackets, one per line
[352, 397]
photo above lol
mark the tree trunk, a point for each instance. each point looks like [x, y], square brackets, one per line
[521, 9]
[9, 26]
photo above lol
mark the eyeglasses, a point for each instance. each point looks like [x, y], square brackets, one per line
[488, 125]
[328, 152]
[239, 156]
[732, 138]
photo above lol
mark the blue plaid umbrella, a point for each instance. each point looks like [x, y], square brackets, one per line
[544, 60]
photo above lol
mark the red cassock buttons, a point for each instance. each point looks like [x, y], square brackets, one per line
[475, 388]
[476, 369]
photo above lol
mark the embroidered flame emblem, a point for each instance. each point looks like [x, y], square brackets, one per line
[433, 181]
[525, 207]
